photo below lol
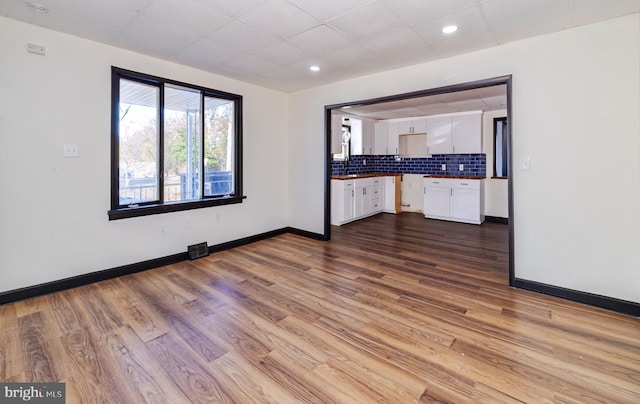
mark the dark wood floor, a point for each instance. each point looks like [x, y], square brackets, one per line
[395, 309]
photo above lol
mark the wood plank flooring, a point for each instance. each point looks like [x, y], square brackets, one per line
[395, 309]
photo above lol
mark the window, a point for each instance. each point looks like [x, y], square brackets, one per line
[174, 146]
[500, 151]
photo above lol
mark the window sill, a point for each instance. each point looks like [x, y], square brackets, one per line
[499, 178]
[145, 210]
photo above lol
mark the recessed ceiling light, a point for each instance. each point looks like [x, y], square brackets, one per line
[314, 68]
[38, 8]
[449, 29]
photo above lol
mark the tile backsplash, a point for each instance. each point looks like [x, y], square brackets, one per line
[474, 164]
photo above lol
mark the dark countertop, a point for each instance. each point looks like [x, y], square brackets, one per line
[367, 175]
[456, 177]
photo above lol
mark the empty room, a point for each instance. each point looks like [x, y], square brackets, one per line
[347, 201]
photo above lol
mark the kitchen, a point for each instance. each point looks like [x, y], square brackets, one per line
[434, 155]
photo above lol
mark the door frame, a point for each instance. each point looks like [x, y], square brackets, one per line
[506, 80]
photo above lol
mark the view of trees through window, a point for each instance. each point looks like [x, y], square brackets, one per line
[183, 159]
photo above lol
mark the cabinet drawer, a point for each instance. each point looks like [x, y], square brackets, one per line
[348, 185]
[376, 181]
[466, 184]
[437, 182]
[363, 182]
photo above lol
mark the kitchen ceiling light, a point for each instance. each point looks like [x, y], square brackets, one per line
[449, 29]
[314, 68]
[38, 8]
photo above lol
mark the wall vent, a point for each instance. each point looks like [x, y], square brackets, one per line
[198, 250]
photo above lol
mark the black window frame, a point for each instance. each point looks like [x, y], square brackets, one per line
[119, 211]
[505, 147]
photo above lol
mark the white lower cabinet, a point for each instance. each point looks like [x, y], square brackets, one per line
[459, 200]
[342, 201]
[391, 194]
[356, 199]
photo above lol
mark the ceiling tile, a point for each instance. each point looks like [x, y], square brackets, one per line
[206, 54]
[327, 10]
[283, 53]
[472, 32]
[133, 5]
[413, 11]
[351, 56]
[147, 35]
[368, 21]
[291, 19]
[186, 14]
[398, 44]
[234, 8]
[320, 40]
[242, 37]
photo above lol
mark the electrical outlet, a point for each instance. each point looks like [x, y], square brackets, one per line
[444, 167]
[526, 164]
[37, 49]
[71, 150]
[461, 168]
[364, 162]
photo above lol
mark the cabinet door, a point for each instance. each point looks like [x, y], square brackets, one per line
[348, 205]
[381, 130]
[336, 134]
[359, 202]
[467, 134]
[368, 138]
[393, 144]
[439, 137]
[389, 204]
[436, 197]
[357, 138]
[405, 127]
[419, 126]
[465, 204]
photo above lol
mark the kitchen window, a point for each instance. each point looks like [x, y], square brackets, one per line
[174, 146]
[500, 151]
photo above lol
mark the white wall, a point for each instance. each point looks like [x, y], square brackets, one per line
[576, 104]
[496, 191]
[53, 211]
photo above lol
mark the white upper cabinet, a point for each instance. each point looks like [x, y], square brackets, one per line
[467, 134]
[458, 134]
[336, 134]
[393, 139]
[412, 127]
[439, 137]
[381, 130]
[362, 137]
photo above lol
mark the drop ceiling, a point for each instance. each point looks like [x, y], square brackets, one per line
[481, 99]
[272, 43]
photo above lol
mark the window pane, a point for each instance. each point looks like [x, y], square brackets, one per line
[218, 153]
[138, 143]
[182, 138]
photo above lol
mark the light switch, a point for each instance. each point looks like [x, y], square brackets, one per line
[444, 167]
[526, 164]
[71, 150]
[461, 167]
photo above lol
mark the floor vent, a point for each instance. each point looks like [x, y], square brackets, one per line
[198, 250]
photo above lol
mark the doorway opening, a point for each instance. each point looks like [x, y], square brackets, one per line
[426, 102]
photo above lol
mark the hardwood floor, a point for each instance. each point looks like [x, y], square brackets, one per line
[395, 309]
